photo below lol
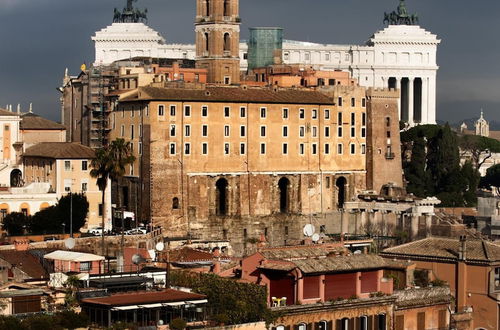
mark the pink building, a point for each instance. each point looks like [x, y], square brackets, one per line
[309, 275]
[69, 261]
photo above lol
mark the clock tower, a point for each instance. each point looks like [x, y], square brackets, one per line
[217, 30]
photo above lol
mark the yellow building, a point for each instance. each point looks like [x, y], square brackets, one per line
[65, 167]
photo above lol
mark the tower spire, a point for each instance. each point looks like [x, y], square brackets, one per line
[130, 14]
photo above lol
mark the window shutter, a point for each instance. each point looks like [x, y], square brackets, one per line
[370, 322]
[310, 326]
[329, 325]
[351, 323]
[316, 326]
[375, 323]
[287, 327]
[338, 324]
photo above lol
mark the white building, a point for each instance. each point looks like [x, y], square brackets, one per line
[399, 56]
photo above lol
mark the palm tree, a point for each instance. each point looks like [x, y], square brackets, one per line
[111, 163]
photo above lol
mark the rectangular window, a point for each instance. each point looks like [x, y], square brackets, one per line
[363, 149]
[226, 149]
[204, 111]
[327, 114]
[243, 112]
[339, 101]
[314, 114]
[161, 110]
[339, 132]
[327, 187]
[140, 148]
[262, 112]
[285, 131]
[172, 148]
[340, 149]
[302, 113]
[314, 131]
[353, 132]
[353, 119]
[353, 148]
[226, 131]
[363, 132]
[172, 130]
[327, 131]
[285, 149]
[262, 148]
[84, 186]
[140, 130]
[132, 131]
[122, 131]
[314, 148]
[301, 148]
[84, 165]
[363, 102]
[353, 102]
[204, 130]
[204, 148]
[172, 110]
[339, 119]
[242, 131]
[187, 130]
[263, 131]
[187, 149]
[302, 131]
[242, 148]
[285, 113]
[363, 119]
[67, 165]
[227, 111]
[187, 110]
[100, 209]
[85, 266]
[327, 149]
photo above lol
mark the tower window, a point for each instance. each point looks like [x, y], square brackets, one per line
[227, 42]
[206, 42]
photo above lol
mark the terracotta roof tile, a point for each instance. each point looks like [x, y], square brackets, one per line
[232, 94]
[300, 252]
[144, 297]
[189, 255]
[24, 261]
[30, 121]
[4, 112]
[60, 150]
[438, 247]
[341, 264]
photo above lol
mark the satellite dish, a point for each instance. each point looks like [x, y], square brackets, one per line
[160, 246]
[137, 259]
[309, 230]
[69, 243]
[315, 237]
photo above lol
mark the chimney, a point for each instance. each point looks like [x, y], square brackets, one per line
[462, 250]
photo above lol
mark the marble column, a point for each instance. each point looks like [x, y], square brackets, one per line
[411, 98]
[425, 102]
[431, 97]
[398, 87]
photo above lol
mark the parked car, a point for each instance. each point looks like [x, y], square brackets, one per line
[96, 231]
[135, 231]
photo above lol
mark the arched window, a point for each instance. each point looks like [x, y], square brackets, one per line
[382, 321]
[207, 8]
[322, 325]
[16, 178]
[341, 191]
[301, 326]
[206, 42]
[221, 196]
[387, 121]
[175, 203]
[344, 324]
[284, 187]
[226, 8]
[227, 42]
[363, 323]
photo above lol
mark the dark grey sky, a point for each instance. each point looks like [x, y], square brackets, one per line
[39, 39]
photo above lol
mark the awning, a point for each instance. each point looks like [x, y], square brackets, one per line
[204, 301]
[177, 303]
[125, 308]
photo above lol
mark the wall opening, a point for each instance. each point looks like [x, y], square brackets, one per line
[175, 203]
[221, 196]
[226, 8]
[341, 191]
[392, 83]
[206, 41]
[207, 8]
[284, 186]
[227, 42]
[16, 178]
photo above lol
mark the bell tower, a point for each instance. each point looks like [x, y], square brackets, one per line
[217, 30]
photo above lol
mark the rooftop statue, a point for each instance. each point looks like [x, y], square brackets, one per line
[130, 14]
[401, 16]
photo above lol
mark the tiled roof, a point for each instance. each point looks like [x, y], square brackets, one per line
[24, 261]
[144, 297]
[4, 112]
[30, 121]
[422, 297]
[291, 253]
[187, 254]
[278, 266]
[60, 150]
[448, 248]
[341, 264]
[232, 94]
